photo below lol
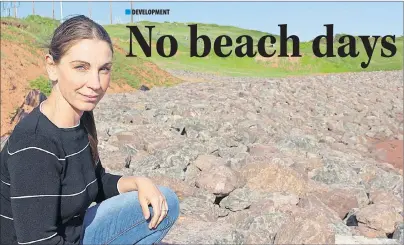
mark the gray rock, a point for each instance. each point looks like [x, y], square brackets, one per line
[191, 174]
[239, 160]
[379, 217]
[263, 229]
[238, 199]
[307, 229]
[220, 180]
[346, 239]
[191, 231]
[206, 162]
[197, 207]
[399, 233]
[336, 172]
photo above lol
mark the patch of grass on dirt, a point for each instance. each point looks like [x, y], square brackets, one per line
[42, 84]
[35, 31]
[42, 27]
[6, 35]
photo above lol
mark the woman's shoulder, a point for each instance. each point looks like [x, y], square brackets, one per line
[28, 124]
[33, 141]
[27, 134]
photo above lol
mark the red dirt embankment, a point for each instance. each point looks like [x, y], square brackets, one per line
[21, 64]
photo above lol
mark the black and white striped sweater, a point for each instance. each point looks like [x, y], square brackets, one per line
[48, 181]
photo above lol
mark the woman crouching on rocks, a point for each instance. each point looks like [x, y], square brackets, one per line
[50, 167]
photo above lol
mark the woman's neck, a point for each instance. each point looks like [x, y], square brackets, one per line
[59, 111]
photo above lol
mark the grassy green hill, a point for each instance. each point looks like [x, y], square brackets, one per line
[255, 66]
[41, 28]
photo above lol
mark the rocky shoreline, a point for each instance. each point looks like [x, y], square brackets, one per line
[274, 161]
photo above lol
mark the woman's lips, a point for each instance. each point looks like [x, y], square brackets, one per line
[90, 97]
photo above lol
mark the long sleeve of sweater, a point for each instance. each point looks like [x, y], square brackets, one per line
[35, 191]
[107, 183]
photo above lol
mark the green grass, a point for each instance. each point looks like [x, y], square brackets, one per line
[35, 27]
[42, 84]
[246, 66]
[127, 69]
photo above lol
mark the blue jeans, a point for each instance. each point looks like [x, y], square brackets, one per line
[120, 220]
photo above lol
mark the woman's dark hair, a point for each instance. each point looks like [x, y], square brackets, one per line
[64, 37]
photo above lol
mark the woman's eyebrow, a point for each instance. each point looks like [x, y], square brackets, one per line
[81, 61]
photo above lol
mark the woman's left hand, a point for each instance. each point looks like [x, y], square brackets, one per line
[150, 194]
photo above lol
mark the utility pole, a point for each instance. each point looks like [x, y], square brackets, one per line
[33, 7]
[61, 12]
[5, 8]
[131, 15]
[15, 10]
[89, 9]
[110, 11]
[53, 9]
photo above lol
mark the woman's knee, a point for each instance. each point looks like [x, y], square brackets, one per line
[172, 201]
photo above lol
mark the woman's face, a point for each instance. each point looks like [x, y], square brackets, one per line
[84, 73]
